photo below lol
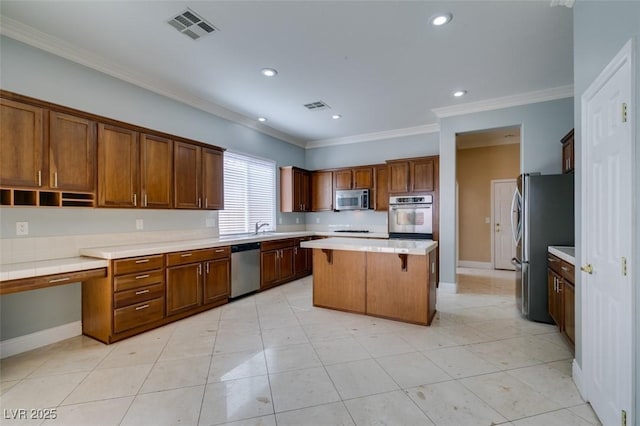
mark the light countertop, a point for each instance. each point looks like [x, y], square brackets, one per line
[40, 268]
[568, 254]
[97, 257]
[418, 247]
[133, 250]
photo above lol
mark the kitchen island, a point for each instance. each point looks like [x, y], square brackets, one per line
[392, 279]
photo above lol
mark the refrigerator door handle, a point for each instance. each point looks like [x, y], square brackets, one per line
[513, 225]
[515, 262]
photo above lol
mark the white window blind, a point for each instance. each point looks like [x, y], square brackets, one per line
[249, 194]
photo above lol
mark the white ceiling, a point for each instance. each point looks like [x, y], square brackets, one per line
[378, 63]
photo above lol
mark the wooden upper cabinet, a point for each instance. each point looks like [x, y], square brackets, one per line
[413, 175]
[187, 176]
[118, 167]
[295, 188]
[212, 179]
[381, 179]
[363, 178]
[72, 153]
[353, 178]
[321, 191]
[398, 176]
[21, 144]
[156, 167]
[421, 175]
[568, 154]
[342, 179]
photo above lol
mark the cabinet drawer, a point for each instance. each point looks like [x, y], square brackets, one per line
[221, 252]
[138, 314]
[136, 264]
[191, 256]
[275, 245]
[568, 272]
[138, 295]
[554, 263]
[143, 279]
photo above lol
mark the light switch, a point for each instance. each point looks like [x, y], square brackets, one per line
[487, 220]
[22, 228]
[210, 222]
[139, 224]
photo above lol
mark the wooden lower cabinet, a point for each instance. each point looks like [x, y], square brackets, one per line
[334, 269]
[184, 287]
[276, 263]
[282, 261]
[561, 278]
[142, 293]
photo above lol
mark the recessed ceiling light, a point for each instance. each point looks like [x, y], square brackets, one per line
[262, 119]
[459, 93]
[441, 19]
[336, 116]
[269, 72]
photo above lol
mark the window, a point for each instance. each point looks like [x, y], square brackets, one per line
[249, 194]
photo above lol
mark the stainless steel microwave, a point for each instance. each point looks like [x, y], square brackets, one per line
[352, 199]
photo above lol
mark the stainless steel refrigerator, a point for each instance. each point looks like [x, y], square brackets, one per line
[544, 217]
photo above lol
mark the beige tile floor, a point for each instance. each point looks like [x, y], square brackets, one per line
[274, 359]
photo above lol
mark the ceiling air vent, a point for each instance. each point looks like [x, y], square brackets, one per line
[191, 24]
[316, 106]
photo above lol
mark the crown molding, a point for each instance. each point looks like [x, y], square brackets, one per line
[544, 95]
[33, 37]
[368, 137]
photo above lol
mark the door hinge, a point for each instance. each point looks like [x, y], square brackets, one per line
[624, 266]
[624, 112]
[624, 418]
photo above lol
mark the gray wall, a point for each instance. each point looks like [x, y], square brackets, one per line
[35, 73]
[542, 126]
[600, 29]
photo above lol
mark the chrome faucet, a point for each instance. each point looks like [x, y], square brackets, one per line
[260, 225]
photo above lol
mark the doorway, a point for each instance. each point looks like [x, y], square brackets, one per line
[607, 229]
[481, 158]
[503, 245]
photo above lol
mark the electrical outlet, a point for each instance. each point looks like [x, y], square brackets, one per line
[297, 220]
[139, 224]
[280, 220]
[22, 228]
[317, 220]
[210, 223]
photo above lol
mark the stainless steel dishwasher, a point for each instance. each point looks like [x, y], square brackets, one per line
[245, 268]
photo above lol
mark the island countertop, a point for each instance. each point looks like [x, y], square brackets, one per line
[415, 247]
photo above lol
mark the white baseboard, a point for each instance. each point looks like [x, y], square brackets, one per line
[40, 338]
[448, 287]
[576, 374]
[475, 265]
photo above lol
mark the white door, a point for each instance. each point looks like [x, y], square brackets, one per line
[607, 193]
[504, 247]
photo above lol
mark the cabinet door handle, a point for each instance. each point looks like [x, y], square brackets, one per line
[295, 250]
[207, 267]
[206, 202]
[135, 200]
[186, 254]
[551, 260]
[55, 179]
[139, 308]
[200, 269]
[39, 177]
[142, 261]
[143, 291]
[564, 268]
[59, 280]
[219, 250]
[199, 202]
[145, 199]
[139, 277]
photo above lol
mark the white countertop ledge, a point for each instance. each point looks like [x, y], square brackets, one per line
[417, 247]
[15, 271]
[568, 254]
